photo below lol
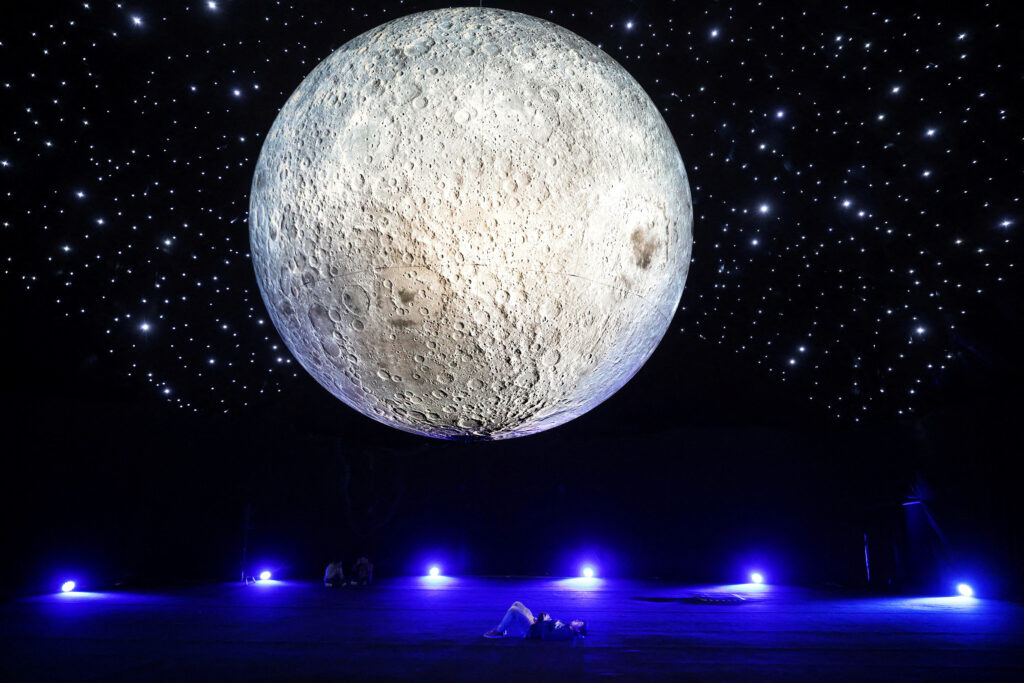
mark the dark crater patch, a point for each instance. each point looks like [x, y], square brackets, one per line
[643, 248]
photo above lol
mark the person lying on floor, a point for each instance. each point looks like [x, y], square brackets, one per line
[519, 622]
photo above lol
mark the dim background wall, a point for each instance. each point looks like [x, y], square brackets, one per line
[666, 479]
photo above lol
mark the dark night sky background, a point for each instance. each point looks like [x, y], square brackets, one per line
[849, 334]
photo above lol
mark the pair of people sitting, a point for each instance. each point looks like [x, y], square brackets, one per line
[362, 574]
[520, 622]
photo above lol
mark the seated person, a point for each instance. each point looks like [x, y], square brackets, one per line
[362, 572]
[334, 575]
[519, 622]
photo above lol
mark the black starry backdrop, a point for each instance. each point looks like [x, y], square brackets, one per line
[849, 330]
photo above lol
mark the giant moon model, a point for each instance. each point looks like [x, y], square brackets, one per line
[470, 223]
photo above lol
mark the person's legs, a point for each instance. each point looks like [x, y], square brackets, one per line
[524, 610]
[517, 620]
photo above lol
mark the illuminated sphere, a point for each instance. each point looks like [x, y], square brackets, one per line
[470, 223]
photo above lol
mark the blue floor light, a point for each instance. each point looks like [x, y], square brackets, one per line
[435, 577]
[265, 575]
[67, 587]
[964, 590]
[756, 577]
[588, 572]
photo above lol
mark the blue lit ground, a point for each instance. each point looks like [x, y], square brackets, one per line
[424, 628]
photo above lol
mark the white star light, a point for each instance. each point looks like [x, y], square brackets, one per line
[137, 21]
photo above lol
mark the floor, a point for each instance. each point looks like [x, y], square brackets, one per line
[430, 629]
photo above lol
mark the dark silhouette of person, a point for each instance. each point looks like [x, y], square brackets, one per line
[362, 572]
[334, 575]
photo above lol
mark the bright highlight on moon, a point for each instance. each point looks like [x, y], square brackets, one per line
[470, 223]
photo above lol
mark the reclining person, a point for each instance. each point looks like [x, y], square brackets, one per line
[519, 622]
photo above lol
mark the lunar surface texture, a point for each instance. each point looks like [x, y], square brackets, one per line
[470, 224]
